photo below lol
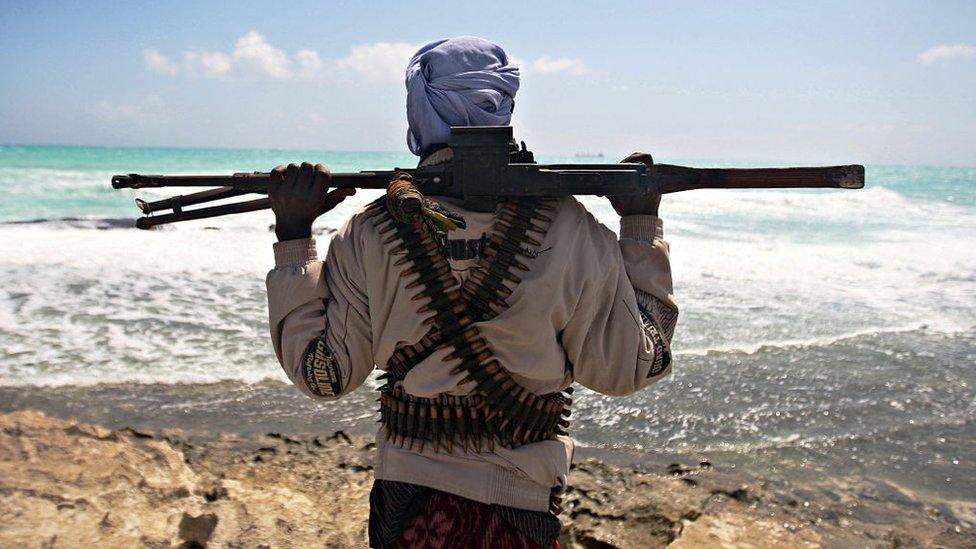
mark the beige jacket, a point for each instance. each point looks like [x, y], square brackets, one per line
[579, 315]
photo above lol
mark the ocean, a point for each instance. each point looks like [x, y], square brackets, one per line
[822, 333]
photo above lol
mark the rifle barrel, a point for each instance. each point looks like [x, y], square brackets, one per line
[250, 182]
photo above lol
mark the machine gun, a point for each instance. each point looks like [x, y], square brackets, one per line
[484, 167]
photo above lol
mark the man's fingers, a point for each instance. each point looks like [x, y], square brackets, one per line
[291, 173]
[278, 173]
[334, 197]
[305, 176]
[276, 179]
[640, 157]
[322, 177]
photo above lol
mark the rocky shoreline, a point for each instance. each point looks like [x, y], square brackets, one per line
[67, 483]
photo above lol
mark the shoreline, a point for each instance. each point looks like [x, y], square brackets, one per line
[66, 482]
[207, 411]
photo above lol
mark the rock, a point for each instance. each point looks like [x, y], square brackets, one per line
[737, 529]
[341, 436]
[65, 483]
[86, 485]
[197, 530]
[215, 492]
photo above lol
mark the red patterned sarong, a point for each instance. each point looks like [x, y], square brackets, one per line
[448, 521]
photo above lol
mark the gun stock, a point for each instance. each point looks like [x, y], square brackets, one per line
[682, 178]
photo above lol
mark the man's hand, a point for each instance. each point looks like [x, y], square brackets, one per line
[298, 196]
[637, 205]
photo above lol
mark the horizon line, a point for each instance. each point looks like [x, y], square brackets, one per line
[405, 152]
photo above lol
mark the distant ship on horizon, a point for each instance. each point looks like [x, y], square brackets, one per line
[588, 155]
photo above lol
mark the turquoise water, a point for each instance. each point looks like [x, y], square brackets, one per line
[54, 182]
[50, 182]
[821, 332]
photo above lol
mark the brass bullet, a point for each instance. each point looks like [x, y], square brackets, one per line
[460, 420]
[511, 247]
[448, 418]
[491, 385]
[401, 413]
[510, 407]
[435, 426]
[502, 389]
[534, 421]
[505, 260]
[520, 414]
[513, 225]
[501, 272]
[440, 273]
[422, 428]
[411, 427]
[476, 430]
[415, 253]
[552, 416]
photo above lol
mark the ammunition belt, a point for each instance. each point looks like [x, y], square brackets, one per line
[467, 421]
[497, 409]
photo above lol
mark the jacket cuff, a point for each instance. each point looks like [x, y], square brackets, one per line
[644, 228]
[295, 253]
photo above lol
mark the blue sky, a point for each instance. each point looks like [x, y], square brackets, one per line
[870, 82]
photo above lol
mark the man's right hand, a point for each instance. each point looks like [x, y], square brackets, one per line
[299, 194]
[637, 205]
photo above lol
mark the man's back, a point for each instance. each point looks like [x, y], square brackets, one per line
[569, 313]
[481, 329]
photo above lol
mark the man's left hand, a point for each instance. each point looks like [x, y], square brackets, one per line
[299, 194]
[637, 205]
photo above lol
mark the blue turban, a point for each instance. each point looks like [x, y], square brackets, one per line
[463, 81]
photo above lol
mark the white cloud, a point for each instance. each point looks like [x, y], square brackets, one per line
[549, 65]
[254, 54]
[308, 62]
[213, 63]
[158, 62]
[518, 62]
[384, 62]
[945, 52]
[387, 62]
[379, 62]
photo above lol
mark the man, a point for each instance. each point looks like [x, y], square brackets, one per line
[480, 329]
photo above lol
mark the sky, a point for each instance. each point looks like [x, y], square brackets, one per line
[830, 82]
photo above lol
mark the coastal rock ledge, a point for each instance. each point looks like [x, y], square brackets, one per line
[68, 484]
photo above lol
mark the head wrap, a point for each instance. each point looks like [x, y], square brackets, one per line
[463, 81]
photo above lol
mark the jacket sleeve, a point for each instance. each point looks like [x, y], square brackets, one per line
[319, 316]
[618, 339]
